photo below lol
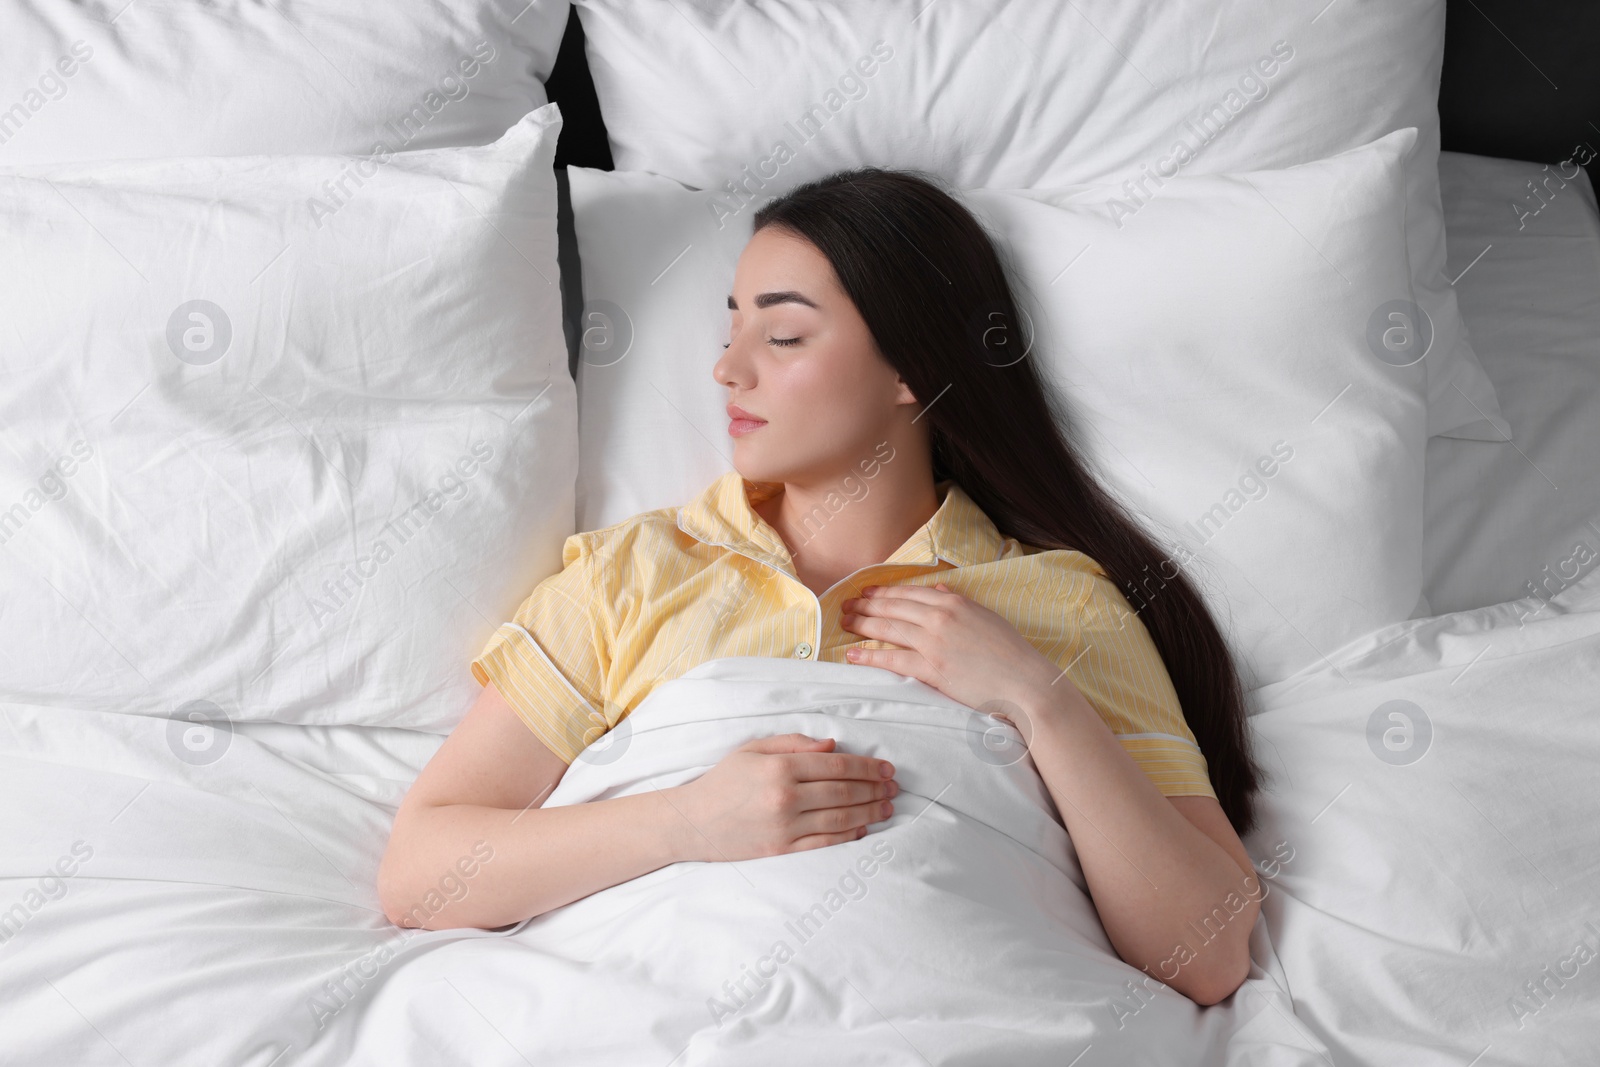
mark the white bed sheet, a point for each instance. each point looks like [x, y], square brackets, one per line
[1408, 904]
[1427, 899]
[1520, 520]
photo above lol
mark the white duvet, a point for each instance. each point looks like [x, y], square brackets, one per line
[225, 913]
[957, 932]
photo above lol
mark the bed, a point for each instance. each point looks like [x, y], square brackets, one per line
[305, 386]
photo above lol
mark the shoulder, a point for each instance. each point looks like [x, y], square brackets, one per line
[1070, 575]
[637, 529]
[634, 551]
[1062, 560]
[1093, 599]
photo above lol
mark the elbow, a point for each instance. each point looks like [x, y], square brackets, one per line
[396, 916]
[1217, 970]
[1217, 988]
[1226, 960]
[391, 894]
[403, 910]
[1206, 980]
[396, 893]
[1222, 979]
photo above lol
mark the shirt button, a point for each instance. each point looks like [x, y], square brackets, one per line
[802, 650]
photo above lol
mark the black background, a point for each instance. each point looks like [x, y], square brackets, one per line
[1521, 80]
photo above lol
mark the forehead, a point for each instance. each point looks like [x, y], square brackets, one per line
[777, 262]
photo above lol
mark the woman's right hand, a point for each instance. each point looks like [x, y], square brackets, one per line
[781, 794]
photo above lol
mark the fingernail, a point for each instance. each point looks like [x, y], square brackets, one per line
[886, 769]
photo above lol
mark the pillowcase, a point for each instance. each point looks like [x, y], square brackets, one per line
[1215, 353]
[749, 97]
[272, 454]
[114, 79]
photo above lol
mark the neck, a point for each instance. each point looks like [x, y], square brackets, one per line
[833, 529]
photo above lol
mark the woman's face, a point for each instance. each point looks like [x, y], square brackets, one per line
[800, 357]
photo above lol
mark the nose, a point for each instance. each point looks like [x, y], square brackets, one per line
[730, 367]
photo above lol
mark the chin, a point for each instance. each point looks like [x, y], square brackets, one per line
[754, 469]
[756, 472]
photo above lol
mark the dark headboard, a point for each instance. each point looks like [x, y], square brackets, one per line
[583, 133]
[1521, 80]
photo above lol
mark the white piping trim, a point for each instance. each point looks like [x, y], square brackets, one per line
[553, 668]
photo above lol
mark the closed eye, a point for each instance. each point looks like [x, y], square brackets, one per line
[778, 341]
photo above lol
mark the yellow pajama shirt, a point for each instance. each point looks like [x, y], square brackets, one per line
[647, 599]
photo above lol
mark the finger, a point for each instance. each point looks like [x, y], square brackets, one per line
[811, 841]
[842, 793]
[900, 660]
[779, 743]
[901, 632]
[925, 594]
[840, 820]
[896, 631]
[894, 607]
[824, 766]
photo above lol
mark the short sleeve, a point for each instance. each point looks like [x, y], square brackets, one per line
[551, 660]
[1118, 668]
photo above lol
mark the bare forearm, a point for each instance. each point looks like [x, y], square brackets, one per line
[538, 858]
[1171, 899]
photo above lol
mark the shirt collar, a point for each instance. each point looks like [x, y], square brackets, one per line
[959, 533]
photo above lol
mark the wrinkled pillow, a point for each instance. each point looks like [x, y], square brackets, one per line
[275, 452]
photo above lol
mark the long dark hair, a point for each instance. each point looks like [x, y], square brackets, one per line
[932, 287]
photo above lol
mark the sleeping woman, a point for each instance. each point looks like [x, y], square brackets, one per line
[903, 497]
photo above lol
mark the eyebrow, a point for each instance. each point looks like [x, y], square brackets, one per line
[766, 300]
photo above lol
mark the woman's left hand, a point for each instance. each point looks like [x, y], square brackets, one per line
[956, 645]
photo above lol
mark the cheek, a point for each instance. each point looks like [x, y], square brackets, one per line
[836, 374]
[830, 419]
[807, 385]
[827, 398]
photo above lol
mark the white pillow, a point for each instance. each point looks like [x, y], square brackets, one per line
[1037, 94]
[290, 463]
[1225, 328]
[114, 79]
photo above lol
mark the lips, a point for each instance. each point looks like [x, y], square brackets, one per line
[742, 422]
